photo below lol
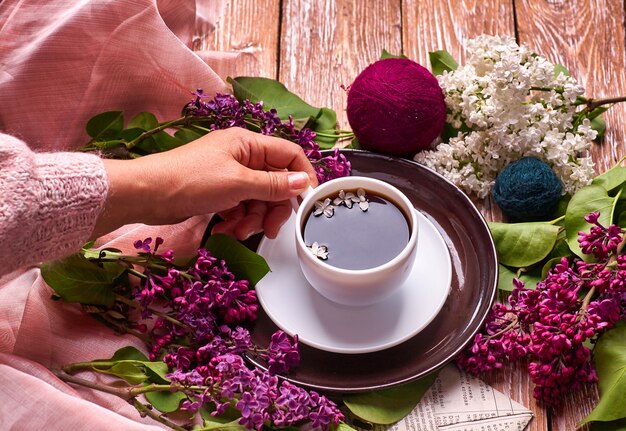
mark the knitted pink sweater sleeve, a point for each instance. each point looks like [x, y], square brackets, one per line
[49, 203]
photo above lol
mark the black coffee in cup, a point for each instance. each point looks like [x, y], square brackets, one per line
[356, 229]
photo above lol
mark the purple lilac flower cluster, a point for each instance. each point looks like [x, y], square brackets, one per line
[575, 303]
[224, 111]
[260, 397]
[197, 317]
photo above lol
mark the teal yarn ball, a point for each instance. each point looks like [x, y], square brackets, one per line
[527, 189]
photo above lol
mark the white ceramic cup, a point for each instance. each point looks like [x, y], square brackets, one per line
[348, 286]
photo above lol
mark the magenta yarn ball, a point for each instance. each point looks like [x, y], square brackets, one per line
[396, 107]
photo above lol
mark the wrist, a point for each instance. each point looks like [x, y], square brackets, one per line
[128, 197]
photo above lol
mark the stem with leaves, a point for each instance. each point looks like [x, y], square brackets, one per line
[128, 394]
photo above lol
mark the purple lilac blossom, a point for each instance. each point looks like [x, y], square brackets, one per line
[224, 111]
[203, 350]
[261, 397]
[576, 302]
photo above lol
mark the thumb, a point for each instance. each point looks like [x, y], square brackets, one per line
[276, 185]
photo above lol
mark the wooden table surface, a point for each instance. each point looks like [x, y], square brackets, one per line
[315, 47]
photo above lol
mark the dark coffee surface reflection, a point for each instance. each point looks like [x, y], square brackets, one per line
[358, 239]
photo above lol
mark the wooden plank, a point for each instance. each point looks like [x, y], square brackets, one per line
[250, 28]
[587, 37]
[325, 44]
[430, 25]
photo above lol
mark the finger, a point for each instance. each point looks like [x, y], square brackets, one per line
[235, 213]
[252, 222]
[273, 185]
[272, 153]
[277, 214]
[231, 218]
[225, 227]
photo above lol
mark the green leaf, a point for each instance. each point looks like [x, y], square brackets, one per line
[451, 132]
[130, 134]
[442, 61]
[242, 261]
[389, 405]
[590, 198]
[76, 279]
[531, 278]
[128, 371]
[599, 125]
[559, 68]
[232, 425]
[610, 362]
[105, 126]
[611, 179]
[344, 427]
[128, 353]
[523, 244]
[325, 123]
[354, 144]
[301, 123]
[621, 219]
[230, 413]
[147, 145]
[273, 94]
[548, 266]
[506, 276]
[156, 372]
[165, 141]
[187, 135]
[387, 54]
[619, 425]
[597, 112]
[144, 120]
[561, 207]
[165, 402]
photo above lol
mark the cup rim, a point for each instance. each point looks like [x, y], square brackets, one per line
[404, 254]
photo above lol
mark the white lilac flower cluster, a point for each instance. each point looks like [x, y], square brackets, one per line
[508, 103]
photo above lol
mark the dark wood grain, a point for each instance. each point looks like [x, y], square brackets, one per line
[326, 43]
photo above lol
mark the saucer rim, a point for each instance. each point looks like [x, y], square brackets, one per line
[474, 284]
[379, 347]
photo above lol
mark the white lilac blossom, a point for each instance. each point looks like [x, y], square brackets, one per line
[326, 207]
[349, 198]
[319, 251]
[363, 202]
[346, 199]
[507, 103]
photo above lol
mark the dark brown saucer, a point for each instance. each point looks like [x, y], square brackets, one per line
[474, 284]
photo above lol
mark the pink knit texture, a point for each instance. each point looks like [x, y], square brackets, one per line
[49, 204]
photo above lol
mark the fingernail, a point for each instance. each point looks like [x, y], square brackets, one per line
[297, 180]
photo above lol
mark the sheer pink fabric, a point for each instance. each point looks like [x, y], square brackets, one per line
[60, 63]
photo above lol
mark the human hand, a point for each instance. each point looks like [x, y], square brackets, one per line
[246, 177]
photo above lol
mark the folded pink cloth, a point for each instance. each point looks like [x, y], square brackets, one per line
[61, 63]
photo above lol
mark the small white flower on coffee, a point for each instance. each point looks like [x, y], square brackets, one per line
[346, 199]
[362, 200]
[319, 251]
[325, 208]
